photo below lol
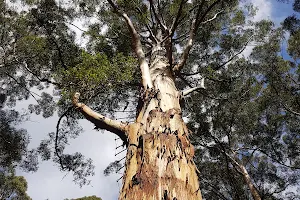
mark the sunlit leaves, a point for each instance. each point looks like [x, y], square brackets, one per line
[28, 42]
[262, 29]
[239, 18]
[96, 70]
[11, 186]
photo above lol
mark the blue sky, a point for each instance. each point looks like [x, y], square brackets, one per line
[50, 183]
[280, 11]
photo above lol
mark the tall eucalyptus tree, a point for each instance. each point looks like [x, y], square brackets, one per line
[159, 162]
[143, 54]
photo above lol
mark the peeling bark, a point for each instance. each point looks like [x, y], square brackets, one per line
[159, 161]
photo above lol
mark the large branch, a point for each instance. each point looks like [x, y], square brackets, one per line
[163, 26]
[290, 110]
[190, 90]
[169, 37]
[194, 27]
[176, 21]
[152, 36]
[137, 46]
[190, 41]
[101, 121]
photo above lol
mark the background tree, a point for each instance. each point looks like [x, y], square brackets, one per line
[13, 151]
[88, 198]
[12, 186]
[246, 128]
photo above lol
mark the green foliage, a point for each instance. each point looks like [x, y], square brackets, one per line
[13, 143]
[88, 198]
[97, 70]
[294, 46]
[12, 187]
[32, 45]
[292, 24]
[239, 18]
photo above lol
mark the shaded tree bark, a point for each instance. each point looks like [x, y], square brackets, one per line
[243, 171]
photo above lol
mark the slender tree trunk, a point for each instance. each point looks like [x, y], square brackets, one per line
[248, 181]
[254, 192]
[159, 162]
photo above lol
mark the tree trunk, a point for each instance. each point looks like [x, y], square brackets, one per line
[242, 169]
[248, 181]
[159, 161]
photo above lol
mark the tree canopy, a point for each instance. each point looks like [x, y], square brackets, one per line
[245, 118]
[12, 186]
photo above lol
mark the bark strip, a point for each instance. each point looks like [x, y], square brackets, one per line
[248, 181]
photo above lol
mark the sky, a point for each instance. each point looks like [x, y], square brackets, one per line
[49, 183]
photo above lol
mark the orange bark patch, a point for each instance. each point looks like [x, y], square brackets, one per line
[159, 164]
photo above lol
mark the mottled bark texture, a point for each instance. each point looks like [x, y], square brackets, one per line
[159, 161]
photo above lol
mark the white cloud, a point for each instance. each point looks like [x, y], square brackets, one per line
[264, 12]
[264, 9]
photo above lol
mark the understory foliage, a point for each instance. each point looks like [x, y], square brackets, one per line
[87, 198]
[247, 115]
[13, 151]
[12, 186]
